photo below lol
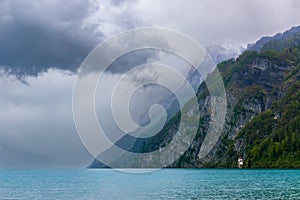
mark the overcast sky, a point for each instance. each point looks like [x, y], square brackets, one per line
[45, 41]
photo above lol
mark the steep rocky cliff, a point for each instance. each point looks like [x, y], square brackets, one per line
[263, 112]
[254, 82]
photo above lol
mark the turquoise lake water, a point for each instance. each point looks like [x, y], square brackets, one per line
[161, 184]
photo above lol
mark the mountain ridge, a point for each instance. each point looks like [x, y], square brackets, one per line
[262, 87]
[259, 44]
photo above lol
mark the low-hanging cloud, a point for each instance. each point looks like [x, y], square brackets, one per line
[36, 122]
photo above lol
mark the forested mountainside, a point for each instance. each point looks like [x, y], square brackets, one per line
[263, 112]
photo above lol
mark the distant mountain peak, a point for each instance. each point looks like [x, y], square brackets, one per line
[221, 52]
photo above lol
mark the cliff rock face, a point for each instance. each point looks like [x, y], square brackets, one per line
[263, 113]
[254, 84]
[251, 89]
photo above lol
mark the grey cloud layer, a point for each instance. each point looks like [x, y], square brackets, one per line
[36, 35]
[36, 123]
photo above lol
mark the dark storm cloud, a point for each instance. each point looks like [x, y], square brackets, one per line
[41, 34]
[36, 35]
[132, 59]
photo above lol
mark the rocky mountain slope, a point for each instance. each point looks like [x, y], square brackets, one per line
[263, 112]
[261, 91]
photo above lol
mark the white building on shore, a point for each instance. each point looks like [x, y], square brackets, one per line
[240, 162]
